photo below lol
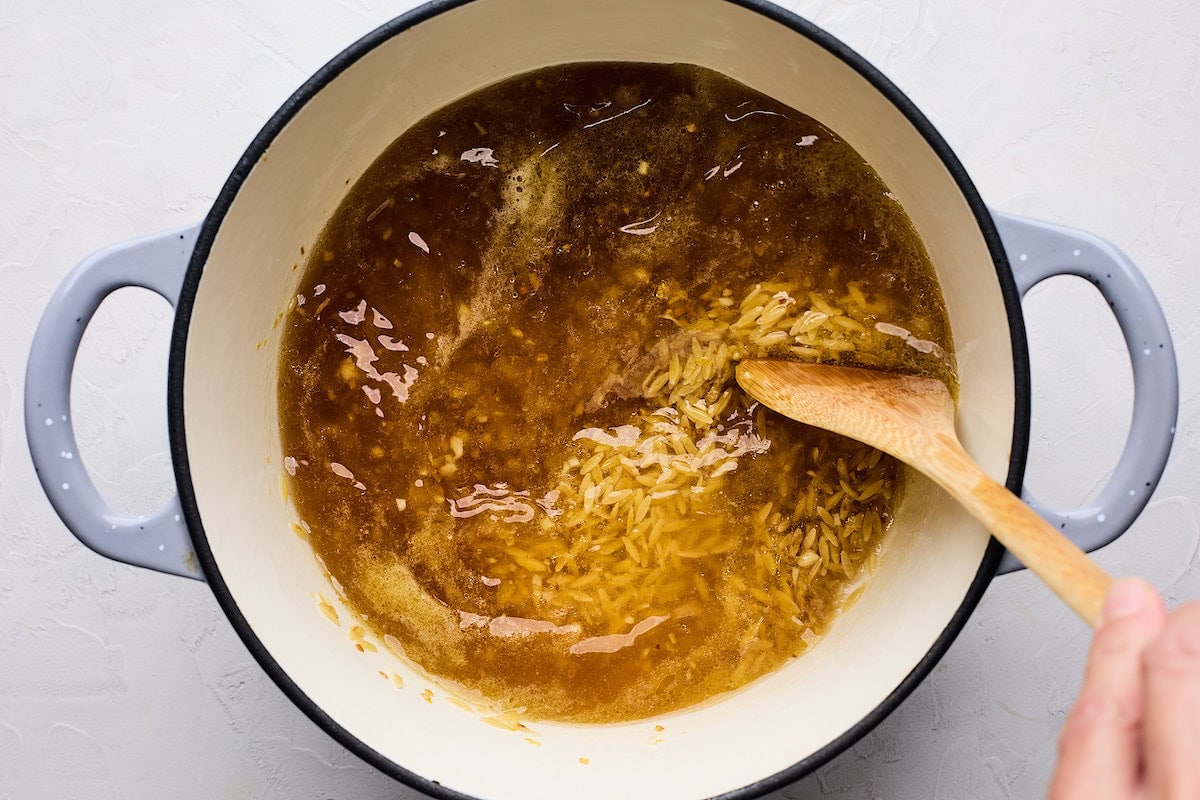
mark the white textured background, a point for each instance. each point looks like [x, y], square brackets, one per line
[123, 118]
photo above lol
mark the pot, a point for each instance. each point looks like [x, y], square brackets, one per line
[230, 277]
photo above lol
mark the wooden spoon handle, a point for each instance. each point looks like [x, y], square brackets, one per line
[1054, 558]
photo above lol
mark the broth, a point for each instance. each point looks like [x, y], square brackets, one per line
[507, 399]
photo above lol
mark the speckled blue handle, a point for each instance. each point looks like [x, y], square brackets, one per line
[159, 541]
[1040, 250]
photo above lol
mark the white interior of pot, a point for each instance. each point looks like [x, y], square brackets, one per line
[233, 441]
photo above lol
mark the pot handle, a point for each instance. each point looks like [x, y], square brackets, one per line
[1040, 250]
[159, 541]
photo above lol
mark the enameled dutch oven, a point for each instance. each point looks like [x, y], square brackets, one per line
[232, 275]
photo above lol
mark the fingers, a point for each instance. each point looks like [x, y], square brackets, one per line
[1100, 745]
[1172, 716]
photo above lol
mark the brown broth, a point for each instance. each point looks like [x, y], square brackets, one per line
[487, 328]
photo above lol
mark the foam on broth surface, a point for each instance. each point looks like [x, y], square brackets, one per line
[507, 399]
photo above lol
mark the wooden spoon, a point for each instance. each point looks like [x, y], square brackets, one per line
[912, 419]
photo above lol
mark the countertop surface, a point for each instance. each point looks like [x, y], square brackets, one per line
[123, 118]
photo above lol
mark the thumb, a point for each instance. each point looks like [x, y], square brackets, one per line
[1099, 747]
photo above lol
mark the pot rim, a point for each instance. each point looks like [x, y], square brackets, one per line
[224, 200]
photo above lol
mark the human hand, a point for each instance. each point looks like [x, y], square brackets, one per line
[1135, 730]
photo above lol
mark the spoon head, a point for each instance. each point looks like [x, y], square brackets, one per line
[898, 414]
